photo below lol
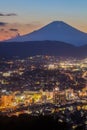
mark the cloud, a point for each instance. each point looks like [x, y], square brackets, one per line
[1, 29]
[13, 29]
[9, 14]
[3, 23]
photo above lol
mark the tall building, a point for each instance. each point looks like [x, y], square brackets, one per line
[69, 94]
[58, 96]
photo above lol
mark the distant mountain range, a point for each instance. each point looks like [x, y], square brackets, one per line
[55, 31]
[55, 48]
[56, 38]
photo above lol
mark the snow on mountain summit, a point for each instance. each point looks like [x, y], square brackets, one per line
[55, 31]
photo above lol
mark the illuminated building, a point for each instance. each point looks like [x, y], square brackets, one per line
[69, 94]
[6, 100]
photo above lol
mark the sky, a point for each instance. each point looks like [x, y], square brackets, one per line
[19, 17]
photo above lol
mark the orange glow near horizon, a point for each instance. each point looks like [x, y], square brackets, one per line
[22, 29]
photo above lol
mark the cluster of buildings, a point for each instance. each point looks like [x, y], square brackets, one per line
[17, 99]
[25, 82]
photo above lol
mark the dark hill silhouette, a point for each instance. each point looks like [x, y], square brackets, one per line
[26, 49]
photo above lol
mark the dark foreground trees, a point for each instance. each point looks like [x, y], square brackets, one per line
[27, 122]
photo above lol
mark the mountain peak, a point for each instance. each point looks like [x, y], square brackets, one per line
[55, 31]
[57, 22]
[57, 25]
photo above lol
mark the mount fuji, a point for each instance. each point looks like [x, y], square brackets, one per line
[55, 31]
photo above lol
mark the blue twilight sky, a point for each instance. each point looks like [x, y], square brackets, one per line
[32, 14]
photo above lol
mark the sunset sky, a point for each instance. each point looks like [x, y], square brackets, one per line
[24, 16]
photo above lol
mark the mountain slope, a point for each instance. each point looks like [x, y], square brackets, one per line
[55, 31]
